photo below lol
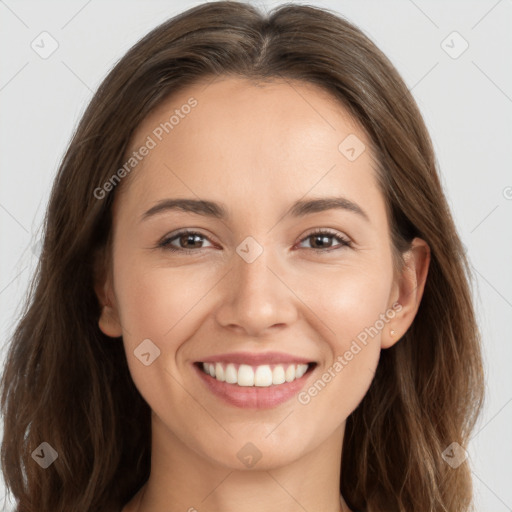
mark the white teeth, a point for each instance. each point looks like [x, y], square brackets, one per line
[278, 375]
[259, 376]
[290, 373]
[219, 372]
[231, 374]
[245, 375]
[263, 376]
[301, 370]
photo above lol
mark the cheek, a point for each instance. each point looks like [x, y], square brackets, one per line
[351, 306]
[158, 302]
[165, 306]
[346, 300]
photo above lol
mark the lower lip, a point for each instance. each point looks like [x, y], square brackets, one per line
[253, 397]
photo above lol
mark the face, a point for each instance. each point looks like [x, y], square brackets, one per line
[265, 284]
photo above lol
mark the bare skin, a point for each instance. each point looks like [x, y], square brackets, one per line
[257, 150]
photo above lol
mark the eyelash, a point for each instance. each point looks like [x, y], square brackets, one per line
[165, 243]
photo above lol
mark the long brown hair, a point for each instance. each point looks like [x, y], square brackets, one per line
[67, 384]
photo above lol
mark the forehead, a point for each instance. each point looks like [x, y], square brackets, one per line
[236, 141]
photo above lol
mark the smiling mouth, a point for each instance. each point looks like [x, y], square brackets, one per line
[264, 375]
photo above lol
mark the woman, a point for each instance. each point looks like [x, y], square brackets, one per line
[316, 350]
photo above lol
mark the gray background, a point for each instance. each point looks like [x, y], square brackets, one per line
[466, 102]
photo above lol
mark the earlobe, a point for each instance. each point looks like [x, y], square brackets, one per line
[410, 291]
[109, 322]
[389, 338]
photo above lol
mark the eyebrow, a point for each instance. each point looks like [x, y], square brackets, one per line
[300, 208]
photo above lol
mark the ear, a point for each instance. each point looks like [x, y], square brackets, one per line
[407, 292]
[108, 322]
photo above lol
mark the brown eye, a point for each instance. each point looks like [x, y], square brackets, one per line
[193, 240]
[187, 241]
[323, 240]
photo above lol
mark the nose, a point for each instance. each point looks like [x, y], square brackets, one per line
[256, 298]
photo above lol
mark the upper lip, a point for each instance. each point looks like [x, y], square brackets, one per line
[256, 359]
